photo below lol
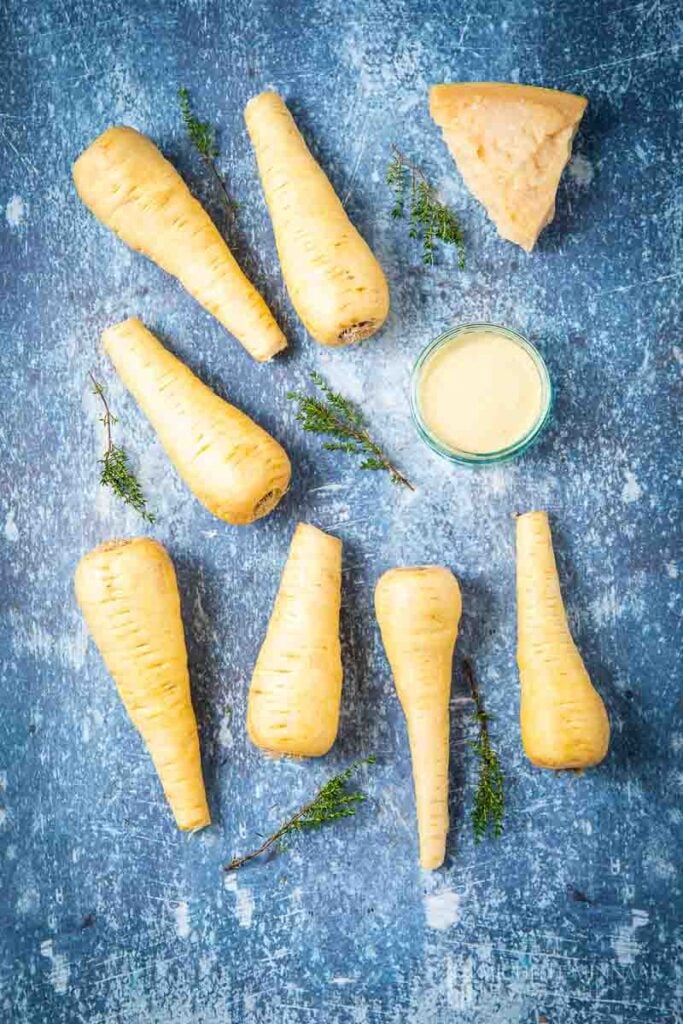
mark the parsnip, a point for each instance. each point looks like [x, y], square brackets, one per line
[335, 283]
[296, 685]
[129, 598]
[418, 610]
[126, 182]
[564, 722]
[237, 470]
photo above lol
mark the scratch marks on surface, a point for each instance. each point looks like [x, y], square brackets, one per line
[28, 164]
[623, 60]
[74, 35]
[638, 284]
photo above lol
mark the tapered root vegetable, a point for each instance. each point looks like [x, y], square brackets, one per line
[335, 283]
[237, 470]
[418, 610]
[564, 722]
[296, 686]
[129, 598]
[125, 181]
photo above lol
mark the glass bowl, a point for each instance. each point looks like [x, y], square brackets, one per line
[466, 458]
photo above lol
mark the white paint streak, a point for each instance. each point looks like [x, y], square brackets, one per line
[11, 528]
[459, 978]
[326, 488]
[625, 944]
[225, 737]
[244, 901]
[15, 211]
[183, 925]
[244, 907]
[442, 909]
[631, 491]
[59, 967]
[28, 901]
[32, 639]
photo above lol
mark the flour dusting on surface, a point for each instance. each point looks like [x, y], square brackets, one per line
[442, 909]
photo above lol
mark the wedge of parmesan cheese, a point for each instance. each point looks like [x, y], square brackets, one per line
[511, 144]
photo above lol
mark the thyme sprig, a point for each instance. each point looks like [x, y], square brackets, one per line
[332, 802]
[489, 798]
[336, 417]
[116, 473]
[429, 217]
[202, 135]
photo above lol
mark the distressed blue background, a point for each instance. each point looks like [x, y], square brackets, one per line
[109, 915]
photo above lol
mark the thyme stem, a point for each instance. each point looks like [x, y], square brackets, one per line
[202, 135]
[336, 417]
[116, 473]
[489, 800]
[330, 803]
[429, 218]
[107, 419]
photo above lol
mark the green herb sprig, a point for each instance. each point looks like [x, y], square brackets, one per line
[489, 798]
[116, 473]
[202, 135]
[429, 217]
[332, 802]
[336, 417]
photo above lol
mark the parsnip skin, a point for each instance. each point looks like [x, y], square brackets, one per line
[564, 721]
[237, 470]
[126, 182]
[296, 685]
[334, 281]
[128, 595]
[418, 610]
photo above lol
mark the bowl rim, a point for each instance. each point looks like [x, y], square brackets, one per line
[511, 451]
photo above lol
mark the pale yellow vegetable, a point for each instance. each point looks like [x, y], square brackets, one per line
[296, 686]
[418, 610]
[128, 595]
[564, 722]
[335, 283]
[126, 182]
[237, 470]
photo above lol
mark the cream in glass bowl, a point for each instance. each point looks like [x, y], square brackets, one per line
[480, 393]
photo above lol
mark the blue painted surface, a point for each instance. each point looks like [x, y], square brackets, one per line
[109, 916]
